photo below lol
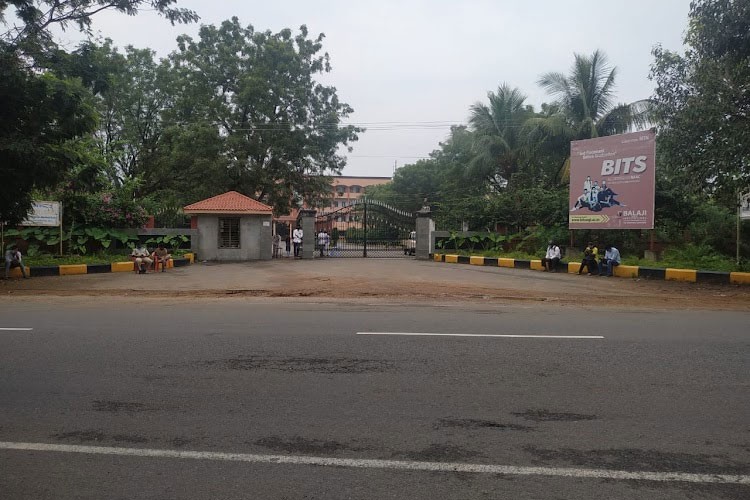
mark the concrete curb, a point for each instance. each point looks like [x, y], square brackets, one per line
[622, 271]
[74, 269]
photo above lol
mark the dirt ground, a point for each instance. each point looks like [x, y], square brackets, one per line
[393, 280]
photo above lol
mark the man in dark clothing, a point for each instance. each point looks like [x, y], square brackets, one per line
[589, 260]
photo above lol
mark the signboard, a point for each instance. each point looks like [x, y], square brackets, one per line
[43, 213]
[745, 206]
[613, 182]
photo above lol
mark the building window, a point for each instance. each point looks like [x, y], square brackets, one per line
[354, 189]
[229, 232]
[341, 190]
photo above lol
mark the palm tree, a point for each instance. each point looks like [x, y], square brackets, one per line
[498, 144]
[584, 104]
[585, 97]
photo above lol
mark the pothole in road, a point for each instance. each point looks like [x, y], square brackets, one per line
[551, 416]
[304, 365]
[81, 436]
[298, 444]
[471, 423]
[117, 406]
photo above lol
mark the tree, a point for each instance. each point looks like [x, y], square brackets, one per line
[46, 111]
[498, 143]
[130, 106]
[585, 98]
[584, 104]
[278, 129]
[703, 101]
[40, 119]
[32, 35]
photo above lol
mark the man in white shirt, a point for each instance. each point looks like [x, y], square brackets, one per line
[13, 258]
[142, 258]
[297, 241]
[322, 242]
[552, 258]
[611, 259]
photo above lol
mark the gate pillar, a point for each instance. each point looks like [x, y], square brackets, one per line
[425, 228]
[307, 221]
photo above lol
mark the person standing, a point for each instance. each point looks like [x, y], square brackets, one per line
[13, 258]
[322, 241]
[287, 245]
[611, 260]
[276, 243]
[297, 236]
[552, 258]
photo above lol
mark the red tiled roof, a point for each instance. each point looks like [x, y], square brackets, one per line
[230, 202]
[292, 217]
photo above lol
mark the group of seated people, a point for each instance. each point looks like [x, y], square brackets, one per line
[592, 262]
[599, 265]
[145, 259]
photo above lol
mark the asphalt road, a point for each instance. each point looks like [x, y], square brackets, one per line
[369, 416]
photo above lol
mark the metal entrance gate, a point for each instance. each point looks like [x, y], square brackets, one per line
[366, 228]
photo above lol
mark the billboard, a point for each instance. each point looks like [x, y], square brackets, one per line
[43, 213]
[612, 182]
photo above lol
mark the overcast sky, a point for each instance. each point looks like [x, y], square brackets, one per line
[411, 68]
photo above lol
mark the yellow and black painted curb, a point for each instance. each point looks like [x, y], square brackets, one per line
[621, 271]
[114, 267]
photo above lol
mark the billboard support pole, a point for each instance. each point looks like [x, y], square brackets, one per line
[61, 229]
[652, 242]
[739, 225]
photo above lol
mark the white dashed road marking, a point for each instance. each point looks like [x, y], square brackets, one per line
[408, 334]
[16, 329]
[386, 464]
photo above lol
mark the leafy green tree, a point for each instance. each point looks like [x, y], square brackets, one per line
[279, 129]
[703, 101]
[46, 112]
[130, 106]
[31, 34]
[41, 116]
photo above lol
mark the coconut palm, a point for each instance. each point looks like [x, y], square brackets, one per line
[586, 98]
[498, 143]
[584, 104]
